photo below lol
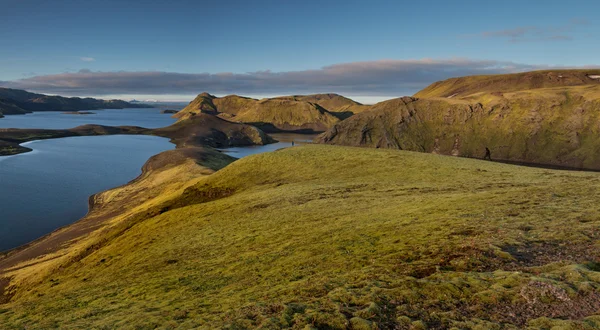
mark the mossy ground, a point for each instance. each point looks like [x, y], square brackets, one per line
[339, 237]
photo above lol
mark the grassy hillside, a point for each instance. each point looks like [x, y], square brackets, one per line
[274, 115]
[287, 113]
[342, 107]
[464, 86]
[333, 238]
[201, 104]
[15, 101]
[557, 126]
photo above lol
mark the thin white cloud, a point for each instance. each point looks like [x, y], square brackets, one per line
[371, 78]
[87, 59]
[562, 32]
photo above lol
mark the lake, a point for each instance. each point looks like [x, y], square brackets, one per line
[285, 140]
[49, 187]
[149, 118]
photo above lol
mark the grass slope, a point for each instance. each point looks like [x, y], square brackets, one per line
[464, 86]
[336, 238]
[557, 126]
[287, 113]
[342, 107]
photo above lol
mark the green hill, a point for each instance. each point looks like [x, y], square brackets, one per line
[553, 126]
[326, 237]
[464, 86]
[340, 106]
[15, 101]
[287, 113]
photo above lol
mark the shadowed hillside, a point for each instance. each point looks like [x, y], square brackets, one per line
[201, 130]
[554, 126]
[299, 113]
[328, 237]
[15, 102]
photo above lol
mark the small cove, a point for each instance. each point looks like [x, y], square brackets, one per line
[49, 187]
[285, 140]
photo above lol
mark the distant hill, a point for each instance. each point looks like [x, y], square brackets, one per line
[555, 126]
[310, 113]
[342, 107]
[15, 101]
[464, 86]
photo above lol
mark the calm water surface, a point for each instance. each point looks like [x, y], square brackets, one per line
[285, 140]
[49, 187]
[149, 118]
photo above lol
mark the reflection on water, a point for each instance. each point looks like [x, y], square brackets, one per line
[285, 140]
[49, 187]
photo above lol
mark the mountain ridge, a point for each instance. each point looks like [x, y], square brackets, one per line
[16, 101]
[464, 86]
[556, 126]
[299, 113]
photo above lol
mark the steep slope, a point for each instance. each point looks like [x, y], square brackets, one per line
[9, 108]
[333, 238]
[307, 113]
[464, 86]
[15, 101]
[201, 104]
[556, 126]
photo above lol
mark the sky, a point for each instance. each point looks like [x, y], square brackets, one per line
[367, 50]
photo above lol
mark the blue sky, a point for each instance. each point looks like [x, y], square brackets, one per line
[376, 49]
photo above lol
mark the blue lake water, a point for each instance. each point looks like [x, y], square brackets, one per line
[49, 187]
[285, 141]
[149, 118]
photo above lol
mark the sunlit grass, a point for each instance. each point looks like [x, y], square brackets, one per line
[328, 237]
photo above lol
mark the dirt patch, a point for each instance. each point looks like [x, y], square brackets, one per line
[546, 300]
[534, 254]
[5, 294]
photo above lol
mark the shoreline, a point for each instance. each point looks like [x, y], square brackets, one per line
[193, 143]
[144, 171]
[90, 206]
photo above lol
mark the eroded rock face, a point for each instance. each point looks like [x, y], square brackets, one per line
[557, 128]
